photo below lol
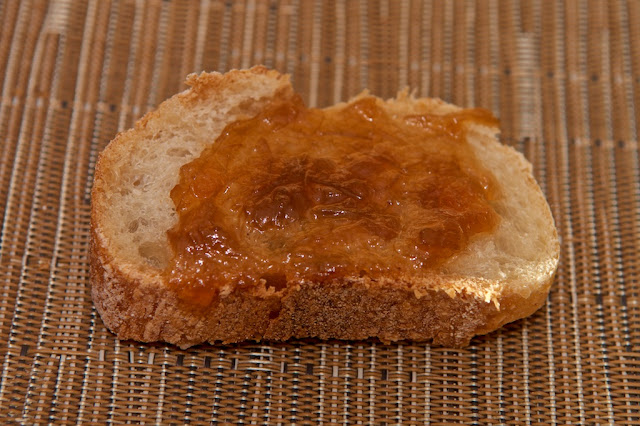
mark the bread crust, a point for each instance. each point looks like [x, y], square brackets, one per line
[135, 303]
[352, 309]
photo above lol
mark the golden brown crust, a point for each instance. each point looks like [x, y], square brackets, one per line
[135, 303]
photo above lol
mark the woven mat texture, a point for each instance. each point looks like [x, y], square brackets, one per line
[564, 78]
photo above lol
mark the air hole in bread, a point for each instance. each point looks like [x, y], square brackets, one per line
[274, 314]
[277, 281]
[136, 224]
[178, 152]
[133, 226]
[154, 253]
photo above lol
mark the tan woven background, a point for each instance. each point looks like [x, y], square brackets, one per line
[563, 77]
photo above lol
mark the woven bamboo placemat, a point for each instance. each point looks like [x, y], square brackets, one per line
[563, 77]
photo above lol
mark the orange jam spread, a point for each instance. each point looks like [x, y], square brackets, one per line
[306, 194]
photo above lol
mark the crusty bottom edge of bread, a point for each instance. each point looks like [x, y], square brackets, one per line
[344, 309]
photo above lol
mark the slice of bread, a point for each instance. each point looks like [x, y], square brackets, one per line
[496, 279]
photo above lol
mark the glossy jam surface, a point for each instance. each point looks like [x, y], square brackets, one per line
[297, 193]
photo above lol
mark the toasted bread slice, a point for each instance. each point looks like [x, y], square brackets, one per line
[498, 278]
